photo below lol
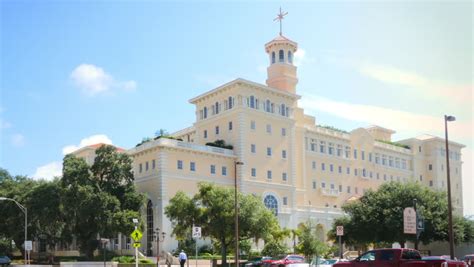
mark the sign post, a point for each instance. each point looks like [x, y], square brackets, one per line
[196, 235]
[136, 235]
[409, 221]
[28, 249]
[340, 233]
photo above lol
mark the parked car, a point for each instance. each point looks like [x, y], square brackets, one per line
[469, 260]
[257, 261]
[331, 262]
[5, 261]
[289, 259]
[396, 257]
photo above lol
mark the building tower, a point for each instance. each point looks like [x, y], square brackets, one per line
[281, 72]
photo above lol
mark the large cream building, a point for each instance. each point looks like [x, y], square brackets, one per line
[301, 170]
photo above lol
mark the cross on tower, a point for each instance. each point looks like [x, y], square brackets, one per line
[280, 17]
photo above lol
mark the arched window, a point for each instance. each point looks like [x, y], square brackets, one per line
[149, 227]
[252, 101]
[205, 112]
[290, 57]
[271, 203]
[281, 56]
[273, 57]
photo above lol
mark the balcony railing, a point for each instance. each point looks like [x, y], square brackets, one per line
[330, 192]
[175, 143]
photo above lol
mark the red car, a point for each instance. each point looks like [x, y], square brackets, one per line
[469, 260]
[289, 259]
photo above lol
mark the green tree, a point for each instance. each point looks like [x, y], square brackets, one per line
[308, 242]
[384, 208]
[99, 200]
[212, 208]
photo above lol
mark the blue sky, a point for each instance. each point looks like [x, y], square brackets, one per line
[118, 71]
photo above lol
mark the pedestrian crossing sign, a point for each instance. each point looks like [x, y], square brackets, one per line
[136, 235]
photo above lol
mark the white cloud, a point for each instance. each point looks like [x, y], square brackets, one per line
[300, 57]
[93, 80]
[4, 124]
[457, 93]
[18, 140]
[91, 140]
[398, 120]
[48, 171]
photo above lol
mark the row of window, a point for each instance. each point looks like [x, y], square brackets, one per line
[268, 106]
[452, 154]
[281, 57]
[284, 175]
[147, 166]
[345, 152]
[253, 150]
[339, 188]
[217, 129]
[268, 128]
[430, 168]
[363, 172]
[217, 107]
[192, 167]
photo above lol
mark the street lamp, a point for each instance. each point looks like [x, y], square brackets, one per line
[236, 214]
[450, 211]
[158, 240]
[26, 219]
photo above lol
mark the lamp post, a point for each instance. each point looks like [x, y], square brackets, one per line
[236, 214]
[26, 219]
[450, 208]
[158, 240]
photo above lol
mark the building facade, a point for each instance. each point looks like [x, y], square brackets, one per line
[301, 170]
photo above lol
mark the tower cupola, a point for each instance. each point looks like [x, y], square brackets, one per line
[282, 71]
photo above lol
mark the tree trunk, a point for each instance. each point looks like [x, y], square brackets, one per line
[224, 252]
[402, 244]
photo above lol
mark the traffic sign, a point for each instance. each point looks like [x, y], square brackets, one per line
[136, 235]
[137, 244]
[28, 245]
[339, 230]
[196, 232]
[409, 221]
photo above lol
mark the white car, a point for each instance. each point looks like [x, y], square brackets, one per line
[330, 262]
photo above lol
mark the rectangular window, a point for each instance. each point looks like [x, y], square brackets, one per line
[180, 165]
[283, 154]
[146, 166]
[284, 176]
[254, 172]
[355, 153]
[314, 184]
[419, 148]
[364, 173]
[253, 148]
[378, 176]
[340, 188]
[230, 126]
[269, 174]
[362, 154]
[285, 201]
[370, 157]
[313, 147]
[348, 189]
[339, 150]
[283, 131]
[322, 147]
[323, 166]
[269, 151]
[421, 177]
[331, 168]
[347, 152]
[332, 186]
[252, 125]
[377, 158]
[430, 167]
[385, 177]
[314, 165]
[339, 169]
[348, 170]
[217, 129]
[356, 190]
[224, 170]
[431, 183]
[205, 133]
[323, 184]
[192, 166]
[140, 167]
[331, 149]
[213, 169]
[269, 128]
[384, 160]
[153, 164]
[355, 171]
[390, 161]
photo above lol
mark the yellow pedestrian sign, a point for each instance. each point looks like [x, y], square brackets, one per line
[136, 235]
[137, 245]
